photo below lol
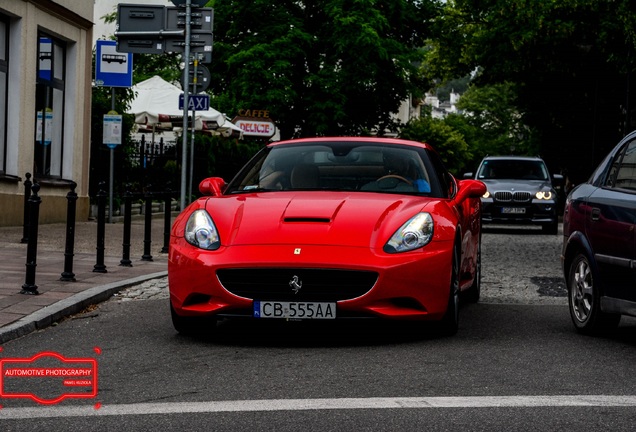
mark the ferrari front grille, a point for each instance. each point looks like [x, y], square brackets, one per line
[297, 284]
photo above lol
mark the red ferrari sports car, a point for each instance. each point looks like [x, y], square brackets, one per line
[329, 228]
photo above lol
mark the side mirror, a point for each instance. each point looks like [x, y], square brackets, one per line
[212, 186]
[470, 189]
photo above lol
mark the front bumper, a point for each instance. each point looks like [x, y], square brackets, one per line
[535, 212]
[410, 286]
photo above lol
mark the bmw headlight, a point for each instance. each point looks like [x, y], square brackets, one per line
[544, 195]
[415, 233]
[201, 232]
[486, 195]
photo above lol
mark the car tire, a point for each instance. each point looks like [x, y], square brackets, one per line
[551, 229]
[449, 324]
[192, 326]
[584, 299]
[472, 294]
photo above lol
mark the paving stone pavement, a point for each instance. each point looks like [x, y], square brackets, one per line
[155, 289]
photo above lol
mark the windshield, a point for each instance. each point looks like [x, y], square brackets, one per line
[339, 166]
[513, 169]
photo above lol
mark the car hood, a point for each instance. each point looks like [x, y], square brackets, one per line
[517, 185]
[319, 218]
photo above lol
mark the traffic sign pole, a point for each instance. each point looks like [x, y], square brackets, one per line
[155, 29]
[112, 165]
[194, 91]
[184, 153]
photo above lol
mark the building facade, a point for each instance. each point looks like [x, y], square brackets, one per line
[45, 105]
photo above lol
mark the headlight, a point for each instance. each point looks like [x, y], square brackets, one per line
[201, 232]
[415, 233]
[486, 195]
[543, 195]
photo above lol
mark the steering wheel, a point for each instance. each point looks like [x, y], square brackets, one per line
[395, 176]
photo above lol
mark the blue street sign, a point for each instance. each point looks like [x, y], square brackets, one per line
[112, 68]
[196, 102]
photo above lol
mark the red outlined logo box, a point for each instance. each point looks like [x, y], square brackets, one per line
[77, 375]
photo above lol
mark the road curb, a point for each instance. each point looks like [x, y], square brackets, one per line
[68, 306]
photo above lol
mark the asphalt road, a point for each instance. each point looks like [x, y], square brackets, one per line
[516, 364]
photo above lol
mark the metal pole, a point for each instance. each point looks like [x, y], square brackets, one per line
[186, 84]
[27, 195]
[125, 259]
[67, 274]
[147, 226]
[194, 91]
[112, 166]
[110, 185]
[29, 286]
[166, 220]
[99, 266]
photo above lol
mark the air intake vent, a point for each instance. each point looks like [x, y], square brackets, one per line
[317, 284]
[307, 219]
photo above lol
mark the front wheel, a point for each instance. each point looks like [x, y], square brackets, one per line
[449, 324]
[584, 299]
[473, 293]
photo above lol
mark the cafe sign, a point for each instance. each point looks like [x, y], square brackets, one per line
[259, 128]
[255, 123]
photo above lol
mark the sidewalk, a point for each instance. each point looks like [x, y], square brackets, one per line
[21, 314]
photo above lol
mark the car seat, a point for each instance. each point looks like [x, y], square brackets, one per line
[305, 176]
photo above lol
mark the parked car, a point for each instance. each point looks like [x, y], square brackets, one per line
[599, 249]
[520, 191]
[329, 228]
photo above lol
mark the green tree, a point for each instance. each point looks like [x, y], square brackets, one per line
[497, 123]
[328, 67]
[448, 141]
[457, 85]
[571, 60]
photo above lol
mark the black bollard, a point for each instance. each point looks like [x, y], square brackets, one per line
[125, 258]
[147, 227]
[99, 266]
[29, 286]
[67, 274]
[167, 213]
[25, 217]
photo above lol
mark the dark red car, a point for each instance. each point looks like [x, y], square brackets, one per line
[329, 228]
[599, 245]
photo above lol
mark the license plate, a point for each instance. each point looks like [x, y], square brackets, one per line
[294, 310]
[513, 210]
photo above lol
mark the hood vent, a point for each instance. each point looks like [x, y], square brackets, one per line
[307, 219]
